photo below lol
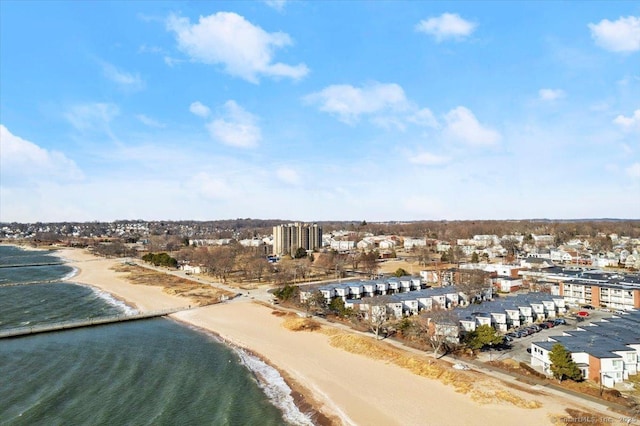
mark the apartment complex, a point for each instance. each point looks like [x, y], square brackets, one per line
[289, 238]
[607, 351]
[601, 289]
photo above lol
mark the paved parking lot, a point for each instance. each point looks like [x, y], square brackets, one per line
[518, 350]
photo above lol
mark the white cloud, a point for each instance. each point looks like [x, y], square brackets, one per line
[148, 121]
[144, 48]
[288, 175]
[622, 35]
[245, 50]
[626, 149]
[633, 171]
[423, 117]
[462, 126]
[629, 123]
[123, 79]
[210, 186]
[428, 159]
[92, 116]
[349, 102]
[237, 128]
[276, 4]
[199, 109]
[389, 122]
[23, 158]
[551, 94]
[446, 26]
[172, 61]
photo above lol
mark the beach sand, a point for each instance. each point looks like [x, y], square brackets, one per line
[350, 389]
[97, 272]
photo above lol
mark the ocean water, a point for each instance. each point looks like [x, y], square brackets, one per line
[149, 372]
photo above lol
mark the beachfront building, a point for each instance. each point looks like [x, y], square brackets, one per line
[606, 351]
[287, 239]
[511, 312]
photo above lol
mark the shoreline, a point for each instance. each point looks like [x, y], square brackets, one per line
[300, 395]
[344, 387]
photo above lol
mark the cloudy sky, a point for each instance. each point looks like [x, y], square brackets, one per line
[313, 110]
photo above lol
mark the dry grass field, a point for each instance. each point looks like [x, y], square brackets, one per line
[481, 390]
[199, 294]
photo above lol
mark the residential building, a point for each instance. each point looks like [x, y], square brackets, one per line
[607, 351]
[289, 238]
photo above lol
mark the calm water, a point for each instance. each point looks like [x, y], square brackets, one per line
[151, 372]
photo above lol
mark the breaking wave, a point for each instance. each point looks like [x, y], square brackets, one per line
[275, 387]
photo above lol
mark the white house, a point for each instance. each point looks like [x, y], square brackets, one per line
[387, 244]
[410, 243]
[189, 269]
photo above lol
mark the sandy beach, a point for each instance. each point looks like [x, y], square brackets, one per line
[350, 389]
[97, 272]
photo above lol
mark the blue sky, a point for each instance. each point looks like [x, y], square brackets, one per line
[319, 110]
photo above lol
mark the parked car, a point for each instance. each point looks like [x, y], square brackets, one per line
[587, 307]
[544, 325]
[550, 324]
[559, 321]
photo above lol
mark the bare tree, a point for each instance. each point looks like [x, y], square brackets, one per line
[285, 271]
[370, 262]
[332, 262]
[315, 303]
[511, 245]
[423, 256]
[438, 329]
[257, 267]
[377, 314]
[473, 283]
[301, 268]
[220, 261]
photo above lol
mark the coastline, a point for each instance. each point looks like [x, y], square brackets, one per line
[96, 273]
[345, 388]
[300, 395]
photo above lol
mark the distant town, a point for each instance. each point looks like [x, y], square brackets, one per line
[448, 281]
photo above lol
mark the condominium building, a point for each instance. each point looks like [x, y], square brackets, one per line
[289, 238]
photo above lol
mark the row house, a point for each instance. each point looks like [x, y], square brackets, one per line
[442, 277]
[410, 243]
[512, 312]
[607, 351]
[410, 303]
[342, 246]
[360, 289]
[595, 364]
[543, 240]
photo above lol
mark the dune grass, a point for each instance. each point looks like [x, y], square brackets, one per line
[465, 382]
